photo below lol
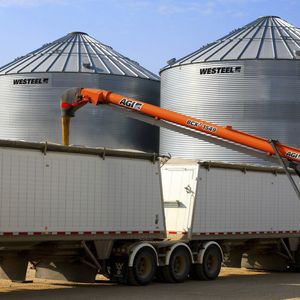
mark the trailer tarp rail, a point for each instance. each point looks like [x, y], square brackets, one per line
[44, 147]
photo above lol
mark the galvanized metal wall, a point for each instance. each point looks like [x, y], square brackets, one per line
[31, 112]
[263, 98]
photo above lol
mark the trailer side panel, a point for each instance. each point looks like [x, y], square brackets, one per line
[71, 193]
[238, 201]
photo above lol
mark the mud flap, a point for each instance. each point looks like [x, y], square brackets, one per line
[119, 269]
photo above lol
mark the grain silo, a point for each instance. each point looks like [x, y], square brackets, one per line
[31, 87]
[249, 79]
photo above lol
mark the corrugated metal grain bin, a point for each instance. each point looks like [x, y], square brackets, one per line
[249, 79]
[31, 87]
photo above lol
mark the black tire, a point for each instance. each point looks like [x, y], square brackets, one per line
[179, 266]
[211, 266]
[144, 267]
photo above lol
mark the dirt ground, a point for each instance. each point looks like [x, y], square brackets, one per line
[232, 284]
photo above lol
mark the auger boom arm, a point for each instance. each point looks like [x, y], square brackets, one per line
[226, 136]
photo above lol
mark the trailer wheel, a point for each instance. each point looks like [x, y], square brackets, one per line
[143, 268]
[179, 266]
[211, 265]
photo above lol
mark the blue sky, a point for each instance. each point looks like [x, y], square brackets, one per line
[148, 31]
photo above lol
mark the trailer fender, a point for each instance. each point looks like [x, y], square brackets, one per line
[169, 253]
[135, 249]
[204, 247]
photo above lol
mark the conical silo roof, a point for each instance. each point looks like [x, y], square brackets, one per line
[267, 37]
[77, 52]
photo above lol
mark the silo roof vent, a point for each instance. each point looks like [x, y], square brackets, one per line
[77, 52]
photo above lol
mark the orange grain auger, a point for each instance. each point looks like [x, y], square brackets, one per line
[226, 136]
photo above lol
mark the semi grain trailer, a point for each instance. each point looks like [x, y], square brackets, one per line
[65, 208]
[75, 212]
